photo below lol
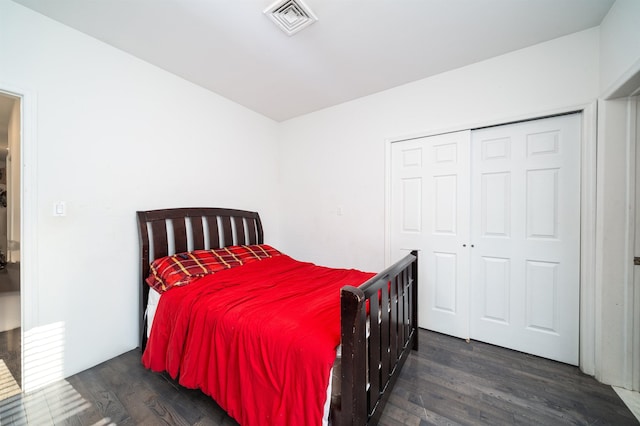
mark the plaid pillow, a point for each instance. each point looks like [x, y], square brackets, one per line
[182, 268]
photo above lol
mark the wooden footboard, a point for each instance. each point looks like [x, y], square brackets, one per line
[386, 305]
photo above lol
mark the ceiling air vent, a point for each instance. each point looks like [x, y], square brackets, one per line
[290, 15]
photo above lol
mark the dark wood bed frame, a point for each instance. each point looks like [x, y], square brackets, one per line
[370, 363]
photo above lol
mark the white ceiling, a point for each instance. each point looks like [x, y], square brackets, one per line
[357, 47]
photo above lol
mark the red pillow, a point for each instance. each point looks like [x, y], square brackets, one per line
[181, 268]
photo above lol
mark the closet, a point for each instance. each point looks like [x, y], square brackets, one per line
[495, 213]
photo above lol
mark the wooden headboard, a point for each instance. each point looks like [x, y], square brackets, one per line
[169, 231]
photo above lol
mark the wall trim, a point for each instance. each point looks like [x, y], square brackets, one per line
[629, 245]
[588, 206]
[630, 310]
[636, 269]
[588, 209]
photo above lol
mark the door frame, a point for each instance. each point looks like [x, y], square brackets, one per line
[587, 211]
[28, 216]
[634, 302]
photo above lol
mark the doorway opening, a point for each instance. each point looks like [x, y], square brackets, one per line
[10, 288]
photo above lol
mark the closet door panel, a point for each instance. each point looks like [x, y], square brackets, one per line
[496, 215]
[430, 211]
[526, 211]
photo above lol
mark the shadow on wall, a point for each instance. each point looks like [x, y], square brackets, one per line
[43, 359]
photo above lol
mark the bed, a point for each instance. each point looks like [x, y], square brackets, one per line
[372, 351]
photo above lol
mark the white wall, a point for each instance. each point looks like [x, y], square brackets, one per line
[113, 135]
[619, 43]
[616, 355]
[336, 157]
[614, 260]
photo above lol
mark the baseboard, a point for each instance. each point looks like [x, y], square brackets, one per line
[631, 400]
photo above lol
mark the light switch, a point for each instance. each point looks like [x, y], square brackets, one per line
[59, 209]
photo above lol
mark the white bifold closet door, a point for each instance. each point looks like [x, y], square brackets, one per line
[496, 215]
[430, 203]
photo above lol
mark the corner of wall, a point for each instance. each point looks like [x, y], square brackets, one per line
[619, 40]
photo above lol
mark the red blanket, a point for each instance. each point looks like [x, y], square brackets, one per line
[259, 338]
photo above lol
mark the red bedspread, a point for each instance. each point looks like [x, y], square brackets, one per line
[259, 338]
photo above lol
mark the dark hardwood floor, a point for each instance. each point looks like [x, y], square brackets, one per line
[10, 339]
[10, 352]
[447, 382]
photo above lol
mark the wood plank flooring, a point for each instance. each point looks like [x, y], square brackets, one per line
[10, 352]
[448, 381]
[10, 339]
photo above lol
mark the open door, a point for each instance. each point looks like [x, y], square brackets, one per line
[10, 315]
